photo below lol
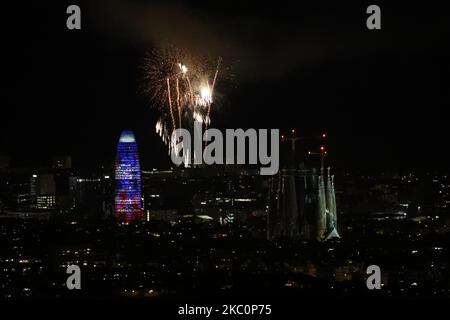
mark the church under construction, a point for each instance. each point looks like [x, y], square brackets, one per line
[302, 201]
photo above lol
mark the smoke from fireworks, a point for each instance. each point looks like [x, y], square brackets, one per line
[181, 87]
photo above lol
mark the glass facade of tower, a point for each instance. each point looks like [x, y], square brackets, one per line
[128, 179]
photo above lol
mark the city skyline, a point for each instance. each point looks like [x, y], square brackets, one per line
[243, 154]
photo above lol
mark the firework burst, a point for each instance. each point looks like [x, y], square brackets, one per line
[181, 87]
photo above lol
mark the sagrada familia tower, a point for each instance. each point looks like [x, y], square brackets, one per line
[302, 201]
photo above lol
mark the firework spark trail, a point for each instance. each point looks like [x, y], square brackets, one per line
[178, 103]
[214, 84]
[170, 103]
[191, 95]
[217, 72]
[208, 115]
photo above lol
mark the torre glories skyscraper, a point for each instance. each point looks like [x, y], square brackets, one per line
[128, 179]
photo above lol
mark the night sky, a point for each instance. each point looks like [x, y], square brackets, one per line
[381, 95]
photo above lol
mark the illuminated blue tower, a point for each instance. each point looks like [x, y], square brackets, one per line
[128, 179]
